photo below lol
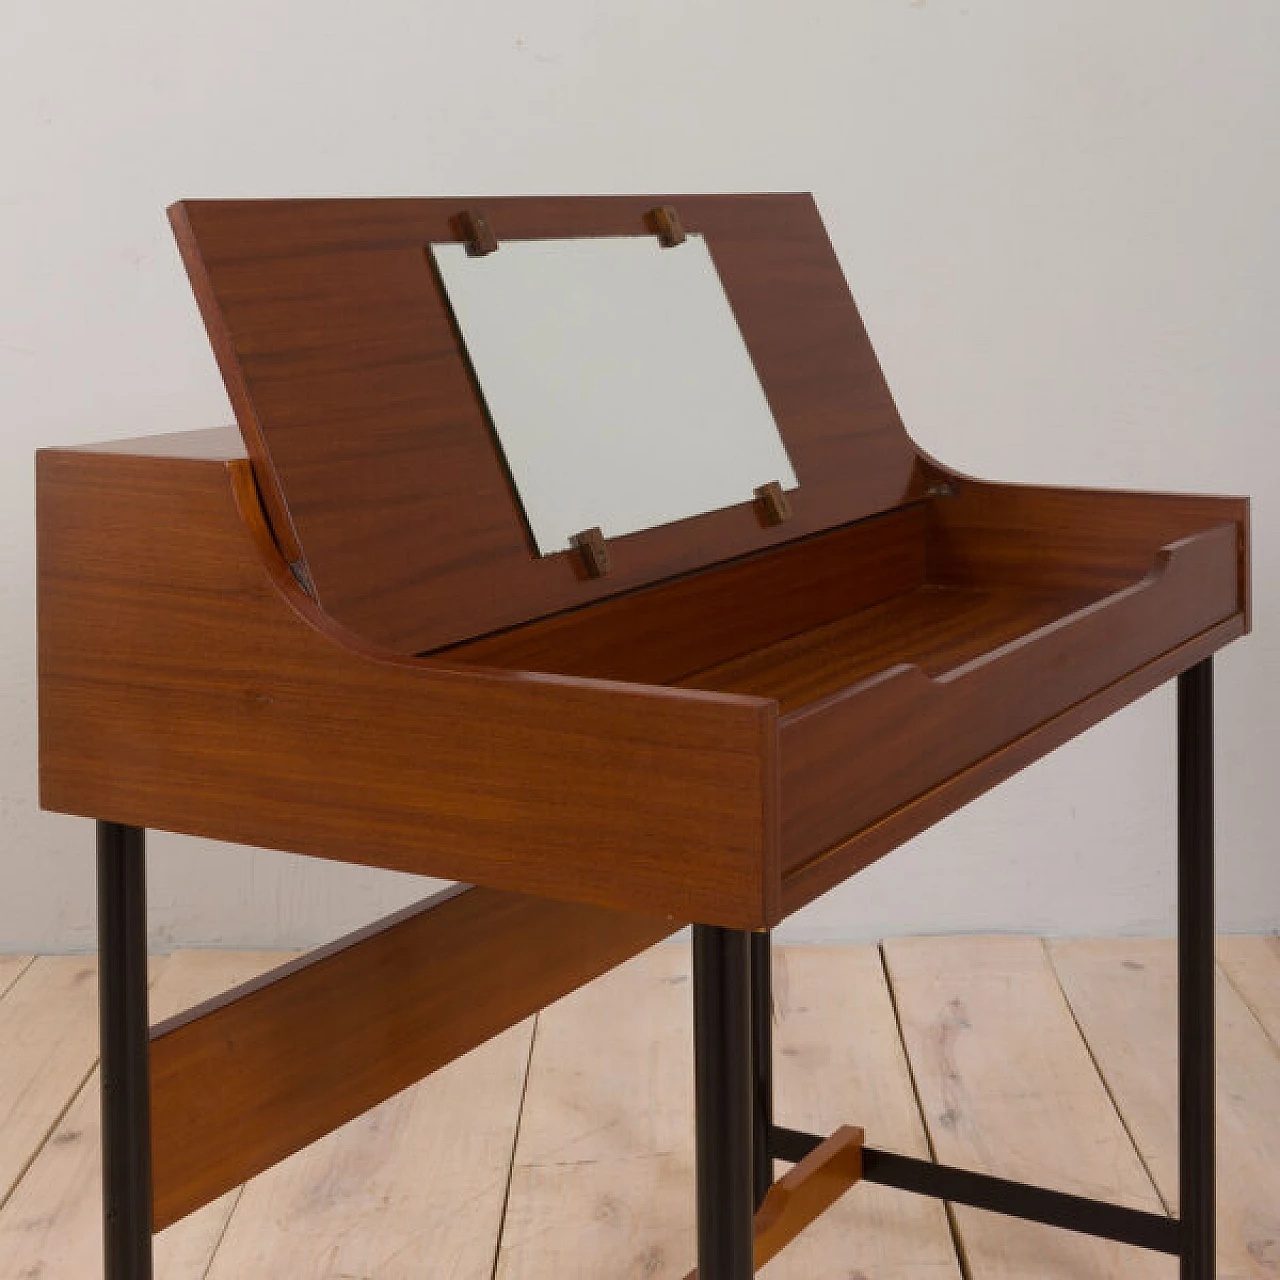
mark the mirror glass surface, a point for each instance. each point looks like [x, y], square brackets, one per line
[616, 379]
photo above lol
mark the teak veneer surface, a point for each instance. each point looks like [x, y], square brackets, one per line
[661, 634]
[731, 721]
[909, 652]
[934, 627]
[242, 1082]
[369, 439]
[188, 684]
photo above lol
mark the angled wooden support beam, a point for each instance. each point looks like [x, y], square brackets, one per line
[242, 1081]
[805, 1193]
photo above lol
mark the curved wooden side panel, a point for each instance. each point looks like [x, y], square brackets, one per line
[187, 684]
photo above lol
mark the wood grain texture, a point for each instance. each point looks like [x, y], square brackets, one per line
[838, 1059]
[1124, 994]
[603, 1178]
[1252, 962]
[412, 1190]
[188, 684]
[48, 1045]
[804, 1193]
[1008, 1088]
[904, 695]
[807, 1191]
[263, 1071]
[904, 702]
[923, 670]
[52, 1225]
[359, 1202]
[934, 628]
[602, 1182]
[853, 757]
[340, 358]
[208, 444]
[808, 880]
[667, 633]
[1031, 535]
[11, 969]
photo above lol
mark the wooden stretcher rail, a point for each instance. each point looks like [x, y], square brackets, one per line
[805, 1193]
[245, 1080]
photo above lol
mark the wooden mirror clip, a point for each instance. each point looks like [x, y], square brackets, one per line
[666, 222]
[477, 232]
[594, 551]
[773, 504]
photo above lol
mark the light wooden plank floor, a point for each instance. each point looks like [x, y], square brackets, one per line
[564, 1147]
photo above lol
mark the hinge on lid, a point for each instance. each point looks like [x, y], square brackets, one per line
[299, 570]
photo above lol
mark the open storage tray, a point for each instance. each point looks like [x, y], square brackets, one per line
[740, 713]
[909, 648]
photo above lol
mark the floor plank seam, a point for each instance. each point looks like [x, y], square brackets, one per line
[1106, 1084]
[957, 1238]
[515, 1146]
[57, 1120]
[17, 977]
[1253, 1011]
[971, 1107]
[222, 1235]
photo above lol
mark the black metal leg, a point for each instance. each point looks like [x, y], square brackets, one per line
[723, 1100]
[762, 1062]
[1193, 1236]
[126, 1091]
[1195, 972]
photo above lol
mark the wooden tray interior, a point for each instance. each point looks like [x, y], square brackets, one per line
[935, 626]
[939, 584]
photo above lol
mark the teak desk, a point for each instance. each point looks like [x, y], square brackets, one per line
[333, 637]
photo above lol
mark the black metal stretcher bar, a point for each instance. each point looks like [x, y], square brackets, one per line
[1000, 1195]
[732, 984]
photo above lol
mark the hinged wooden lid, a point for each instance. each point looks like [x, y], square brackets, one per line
[370, 442]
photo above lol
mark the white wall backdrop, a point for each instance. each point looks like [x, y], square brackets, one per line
[1061, 220]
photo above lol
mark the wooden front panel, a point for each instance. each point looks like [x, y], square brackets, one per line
[853, 758]
[811, 879]
[370, 443]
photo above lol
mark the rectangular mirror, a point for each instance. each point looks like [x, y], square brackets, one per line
[616, 379]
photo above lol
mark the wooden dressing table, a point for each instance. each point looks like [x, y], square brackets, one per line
[329, 633]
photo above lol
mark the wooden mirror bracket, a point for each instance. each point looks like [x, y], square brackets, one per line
[772, 504]
[665, 222]
[476, 231]
[594, 551]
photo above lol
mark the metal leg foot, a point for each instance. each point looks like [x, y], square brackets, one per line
[126, 1092]
[1195, 972]
[724, 1102]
